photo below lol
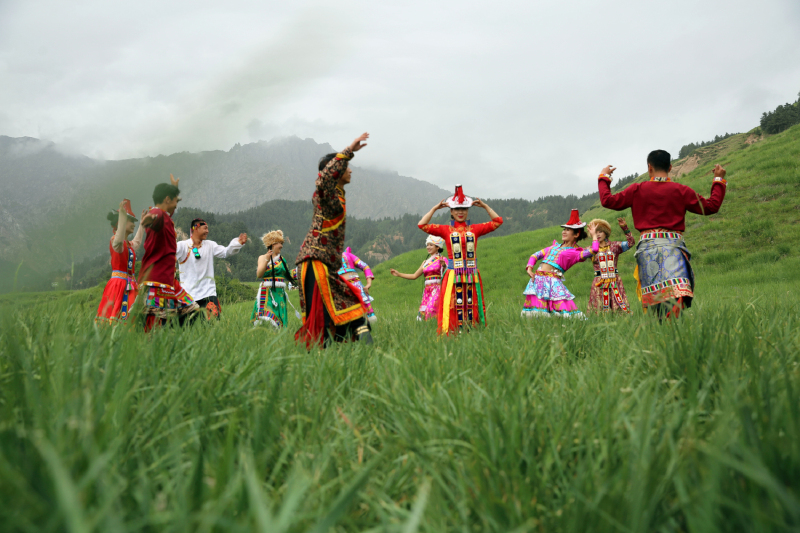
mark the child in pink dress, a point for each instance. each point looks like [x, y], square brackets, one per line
[546, 295]
[432, 269]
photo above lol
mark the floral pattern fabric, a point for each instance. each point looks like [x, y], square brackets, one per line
[664, 271]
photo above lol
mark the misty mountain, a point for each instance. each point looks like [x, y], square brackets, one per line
[53, 203]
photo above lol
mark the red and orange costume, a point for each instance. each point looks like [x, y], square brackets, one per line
[331, 307]
[461, 301]
[121, 290]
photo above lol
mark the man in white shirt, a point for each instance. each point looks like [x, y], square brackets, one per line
[196, 261]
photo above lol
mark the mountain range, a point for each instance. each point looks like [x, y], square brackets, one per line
[53, 203]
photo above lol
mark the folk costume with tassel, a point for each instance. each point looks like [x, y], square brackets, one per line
[546, 295]
[665, 280]
[271, 300]
[121, 290]
[607, 292]
[461, 302]
[331, 307]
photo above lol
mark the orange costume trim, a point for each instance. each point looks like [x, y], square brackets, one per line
[339, 317]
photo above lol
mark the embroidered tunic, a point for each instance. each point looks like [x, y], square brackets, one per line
[607, 292]
[321, 254]
[462, 300]
[271, 300]
[325, 240]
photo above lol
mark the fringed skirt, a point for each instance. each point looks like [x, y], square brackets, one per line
[546, 295]
[270, 307]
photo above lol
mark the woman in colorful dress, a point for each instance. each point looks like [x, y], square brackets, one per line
[121, 290]
[546, 295]
[461, 303]
[271, 300]
[432, 269]
[608, 293]
[351, 262]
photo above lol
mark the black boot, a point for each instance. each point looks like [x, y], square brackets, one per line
[363, 334]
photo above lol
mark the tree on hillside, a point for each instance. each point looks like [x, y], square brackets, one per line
[782, 118]
[688, 149]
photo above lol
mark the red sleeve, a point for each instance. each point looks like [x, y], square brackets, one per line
[617, 202]
[158, 223]
[699, 205]
[487, 227]
[435, 229]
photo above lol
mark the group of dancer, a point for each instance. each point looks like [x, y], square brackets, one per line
[178, 276]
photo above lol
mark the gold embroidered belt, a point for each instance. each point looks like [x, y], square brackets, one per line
[548, 274]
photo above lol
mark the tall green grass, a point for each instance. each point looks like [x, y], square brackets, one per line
[612, 424]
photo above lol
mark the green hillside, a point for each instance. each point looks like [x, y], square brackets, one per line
[609, 424]
[749, 243]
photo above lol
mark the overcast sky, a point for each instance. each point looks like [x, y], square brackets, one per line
[510, 98]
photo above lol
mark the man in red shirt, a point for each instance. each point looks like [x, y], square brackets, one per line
[163, 295]
[664, 273]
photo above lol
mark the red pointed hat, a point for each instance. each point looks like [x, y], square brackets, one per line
[458, 200]
[127, 205]
[574, 221]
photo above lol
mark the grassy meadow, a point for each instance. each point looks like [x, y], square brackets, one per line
[609, 424]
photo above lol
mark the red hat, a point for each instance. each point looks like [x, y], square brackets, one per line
[458, 200]
[574, 221]
[127, 205]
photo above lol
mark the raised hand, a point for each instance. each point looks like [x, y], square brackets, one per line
[394, 272]
[622, 223]
[591, 229]
[122, 205]
[719, 172]
[173, 180]
[359, 143]
[144, 212]
[477, 203]
[147, 218]
[242, 238]
[608, 170]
